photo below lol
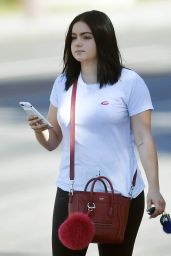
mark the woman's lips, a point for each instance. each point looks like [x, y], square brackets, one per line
[79, 51]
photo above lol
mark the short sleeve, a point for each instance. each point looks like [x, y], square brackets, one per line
[139, 98]
[57, 88]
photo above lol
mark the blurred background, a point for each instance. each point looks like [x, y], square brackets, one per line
[32, 34]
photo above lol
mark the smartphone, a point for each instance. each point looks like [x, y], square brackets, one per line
[30, 110]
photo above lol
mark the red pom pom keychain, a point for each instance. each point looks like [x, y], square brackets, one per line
[77, 231]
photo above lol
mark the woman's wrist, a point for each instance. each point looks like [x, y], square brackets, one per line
[153, 189]
[37, 132]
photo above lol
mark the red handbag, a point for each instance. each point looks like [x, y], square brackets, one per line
[107, 210]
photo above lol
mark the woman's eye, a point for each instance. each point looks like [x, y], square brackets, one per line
[87, 37]
[84, 37]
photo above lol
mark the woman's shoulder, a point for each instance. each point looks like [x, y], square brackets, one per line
[131, 81]
[57, 89]
[60, 79]
[59, 83]
[129, 75]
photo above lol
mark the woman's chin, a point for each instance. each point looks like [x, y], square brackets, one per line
[80, 59]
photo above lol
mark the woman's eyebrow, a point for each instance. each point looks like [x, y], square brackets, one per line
[83, 33]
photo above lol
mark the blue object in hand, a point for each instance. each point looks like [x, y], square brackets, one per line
[165, 221]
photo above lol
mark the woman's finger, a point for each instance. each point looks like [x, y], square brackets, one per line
[31, 117]
[35, 121]
[159, 209]
[39, 127]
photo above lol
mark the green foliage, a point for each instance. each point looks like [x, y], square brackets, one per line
[8, 2]
[9, 5]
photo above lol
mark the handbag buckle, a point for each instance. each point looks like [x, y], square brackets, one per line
[71, 188]
[91, 207]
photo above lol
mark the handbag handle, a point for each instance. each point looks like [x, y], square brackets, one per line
[72, 140]
[91, 180]
[100, 178]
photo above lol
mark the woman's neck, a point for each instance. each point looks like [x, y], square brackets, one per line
[89, 73]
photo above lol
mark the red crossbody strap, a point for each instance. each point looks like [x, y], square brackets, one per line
[72, 130]
[72, 137]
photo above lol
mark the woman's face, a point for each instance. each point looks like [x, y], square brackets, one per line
[83, 46]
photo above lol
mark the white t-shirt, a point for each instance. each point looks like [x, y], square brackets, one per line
[103, 138]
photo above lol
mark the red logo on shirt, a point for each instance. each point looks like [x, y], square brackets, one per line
[105, 102]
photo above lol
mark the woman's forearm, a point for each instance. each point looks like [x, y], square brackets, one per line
[48, 139]
[148, 155]
[141, 126]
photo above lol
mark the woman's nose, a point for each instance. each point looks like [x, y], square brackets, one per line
[78, 42]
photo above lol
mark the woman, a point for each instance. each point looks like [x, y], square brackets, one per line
[113, 114]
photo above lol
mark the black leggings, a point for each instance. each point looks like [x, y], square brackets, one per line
[124, 249]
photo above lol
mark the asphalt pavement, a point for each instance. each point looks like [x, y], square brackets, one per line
[30, 58]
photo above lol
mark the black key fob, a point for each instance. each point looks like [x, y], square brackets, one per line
[151, 210]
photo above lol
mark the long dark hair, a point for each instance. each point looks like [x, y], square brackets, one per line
[109, 58]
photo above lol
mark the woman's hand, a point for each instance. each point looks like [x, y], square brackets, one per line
[156, 199]
[36, 124]
[48, 137]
